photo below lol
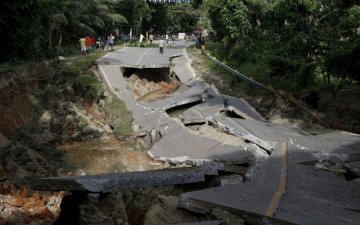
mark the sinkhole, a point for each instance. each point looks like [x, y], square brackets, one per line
[149, 85]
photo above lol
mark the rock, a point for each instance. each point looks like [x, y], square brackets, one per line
[34, 101]
[103, 209]
[280, 102]
[4, 142]
[77, 136]
[227, 218]
[141, 144]
[64, 172]
[231, 179]
[166, 165]
[61, 58]
[100, 103]
[8, 187]
[319, 166]
[165, 211]
[107, 129]
[136, 129]
[45, 120]
[3, 175]
[93, 131]
[356, 182]
[69, 90]
[47, 136]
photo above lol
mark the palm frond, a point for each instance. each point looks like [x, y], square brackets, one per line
[91, 20]
[102, 8]
[86, 30]
[76, 7]
[117, 18]
[59, 19]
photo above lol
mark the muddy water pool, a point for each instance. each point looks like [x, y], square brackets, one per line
[104, 155]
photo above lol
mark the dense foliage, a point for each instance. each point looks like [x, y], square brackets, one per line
[39, 29]
[288, 40]
[278, 40]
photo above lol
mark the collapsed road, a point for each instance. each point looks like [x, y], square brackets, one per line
[288, 172]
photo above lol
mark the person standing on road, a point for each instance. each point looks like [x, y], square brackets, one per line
[111, 41]
[83, 45]
[151, 38]
[161, 45]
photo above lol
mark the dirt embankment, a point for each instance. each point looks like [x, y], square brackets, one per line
[44, 106]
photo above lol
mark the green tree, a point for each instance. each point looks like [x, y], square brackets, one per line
[20, 28]
[136, 12]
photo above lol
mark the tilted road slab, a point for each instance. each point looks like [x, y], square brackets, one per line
[253, 197]
[116, 182]
[353, 167]
[191, 95]
[342, 145]
[242, 108]
[199, 113]
[308, 211]
[283, 189]
[317, 196]
[231, 126]
[178, 145]
[264, 134]
[214, 104]
[182, 68]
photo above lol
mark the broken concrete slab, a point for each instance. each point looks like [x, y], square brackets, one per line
[116, 182]
[317, 196]
[182, 68]
[234, 168]
[310, 196]
[304, 181]
[241, 108]
[353, 167]
[199, 113]
[341, 145]
[191, 95]
[251, 197]
[178, 145]
[215, 103]
[308, 211]
[193, 116]
[231, 126]
[242, 197]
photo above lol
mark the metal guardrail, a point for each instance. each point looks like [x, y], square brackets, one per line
[289, 98]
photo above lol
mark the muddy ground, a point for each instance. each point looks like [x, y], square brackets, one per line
[56, 123]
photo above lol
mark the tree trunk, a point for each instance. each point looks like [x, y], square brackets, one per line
[59, 46]
[50, 38]
[324, 77]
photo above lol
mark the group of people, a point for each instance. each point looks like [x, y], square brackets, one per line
[88, 44]
[199, 38]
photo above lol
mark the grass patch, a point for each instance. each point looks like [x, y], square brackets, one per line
[227, 83]
[84, 62]
[120, 118]
[90, 82]
[255, 65]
